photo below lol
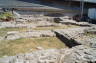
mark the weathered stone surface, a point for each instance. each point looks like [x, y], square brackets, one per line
[7, 24]
[73, 22]
[6, 59]
[81, 54]
[45, 24]
[68, 36]
[29, 34]
[14, 25]
[12, 37]
[39, 48]
[78, 54]
[1, 38]
[77, 35]
[91, 30]
[24, 23]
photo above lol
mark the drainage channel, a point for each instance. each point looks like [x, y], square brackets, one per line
[69, 42]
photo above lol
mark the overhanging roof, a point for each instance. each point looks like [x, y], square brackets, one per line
[90, 1]
[37, 4]
[18, 3]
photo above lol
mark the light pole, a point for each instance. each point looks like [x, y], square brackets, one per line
[82, 7]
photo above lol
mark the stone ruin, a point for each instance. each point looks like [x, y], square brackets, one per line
[81, 50]
[13, 35]
[77, 36]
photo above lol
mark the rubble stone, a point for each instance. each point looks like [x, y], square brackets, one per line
[76, 36]
[30, 34]
[77, 54]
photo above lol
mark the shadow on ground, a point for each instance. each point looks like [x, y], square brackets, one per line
[69, 43]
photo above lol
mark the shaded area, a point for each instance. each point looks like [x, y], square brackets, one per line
[35, 3]
[55, 14]
[68, 42]
[93, 21]
[61, 4]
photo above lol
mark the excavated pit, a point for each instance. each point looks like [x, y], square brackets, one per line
[68, 42]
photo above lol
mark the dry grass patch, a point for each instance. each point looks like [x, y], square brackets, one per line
[39, 28]
[13, 47]
[56, 27]
[3, 31]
